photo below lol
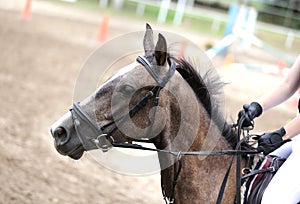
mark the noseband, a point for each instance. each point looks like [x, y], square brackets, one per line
[102, 138]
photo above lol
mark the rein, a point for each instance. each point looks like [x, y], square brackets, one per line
[104, 140]
[179, 153]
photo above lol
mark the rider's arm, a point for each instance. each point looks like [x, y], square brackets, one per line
[292, 128]
[286, 88]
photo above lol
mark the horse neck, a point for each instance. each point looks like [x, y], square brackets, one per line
[195, 183]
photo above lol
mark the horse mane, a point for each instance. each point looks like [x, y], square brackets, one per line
[207, 89]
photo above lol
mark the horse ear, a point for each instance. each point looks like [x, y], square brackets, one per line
[161, 50]
[148, 40]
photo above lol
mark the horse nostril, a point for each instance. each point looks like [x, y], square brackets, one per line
[60, 135]
[60, 131]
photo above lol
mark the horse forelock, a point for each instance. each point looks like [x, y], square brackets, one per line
[208, 90]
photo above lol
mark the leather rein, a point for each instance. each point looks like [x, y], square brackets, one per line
[104, 140]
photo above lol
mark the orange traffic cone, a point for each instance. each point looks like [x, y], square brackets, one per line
[281, 66]
[26, 12]
[229, 60]
[103, 29]
[183, 46]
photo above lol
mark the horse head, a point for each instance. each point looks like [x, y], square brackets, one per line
[121, 109]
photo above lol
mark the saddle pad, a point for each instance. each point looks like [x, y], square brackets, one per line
[260, 177]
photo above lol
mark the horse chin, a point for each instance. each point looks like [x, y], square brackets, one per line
[77, 152]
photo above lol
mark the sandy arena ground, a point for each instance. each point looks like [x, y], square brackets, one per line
[40, 59]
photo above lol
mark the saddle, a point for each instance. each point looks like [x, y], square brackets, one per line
[256, 182]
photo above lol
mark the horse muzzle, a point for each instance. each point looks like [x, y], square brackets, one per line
[66, 140]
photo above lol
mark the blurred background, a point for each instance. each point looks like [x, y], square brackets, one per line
[252, 44]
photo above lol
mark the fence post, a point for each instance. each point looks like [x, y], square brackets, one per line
[179, 12]
[163, 12]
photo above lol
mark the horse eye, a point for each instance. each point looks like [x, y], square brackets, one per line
[126, 89]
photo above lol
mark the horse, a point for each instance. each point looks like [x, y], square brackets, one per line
[164, 100]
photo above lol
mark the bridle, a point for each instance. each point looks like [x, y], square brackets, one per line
[102, 137]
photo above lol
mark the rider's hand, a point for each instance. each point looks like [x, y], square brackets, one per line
[248, 113]
[268, 142]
